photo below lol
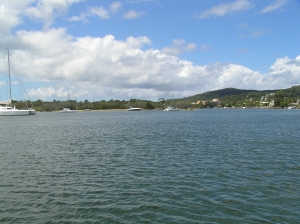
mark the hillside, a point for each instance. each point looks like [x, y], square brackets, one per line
[220, 94]
[238, 97]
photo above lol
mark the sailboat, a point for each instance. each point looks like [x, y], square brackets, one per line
[6, 108]
[67, 109]
[170, 108]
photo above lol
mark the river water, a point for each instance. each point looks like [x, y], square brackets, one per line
[201, 166]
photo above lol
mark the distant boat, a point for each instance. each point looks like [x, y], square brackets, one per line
[87, 110]
[6, 108]
[67, 109]
[134, 108]
[291, 107]
[170, 108]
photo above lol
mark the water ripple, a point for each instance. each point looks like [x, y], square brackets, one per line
[206, 166]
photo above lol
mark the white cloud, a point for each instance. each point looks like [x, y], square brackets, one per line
[106, 68]
[99, 11]
[92, 11]
[132, 14]
[224, 9]
[285, 70]
[115, 7]
[205, 47]
[81, 17]
[179, 47]
[277, 4]
[10, 12]
[47, 11]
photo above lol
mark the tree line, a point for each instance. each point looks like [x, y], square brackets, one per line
[229, 97]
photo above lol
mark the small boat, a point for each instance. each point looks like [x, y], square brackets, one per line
[291, 107]
[170, 108]
[67, 110]
[87, 110]
[134, 109]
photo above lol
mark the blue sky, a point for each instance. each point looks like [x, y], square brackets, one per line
[148, 49]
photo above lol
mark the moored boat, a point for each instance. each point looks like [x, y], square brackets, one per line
[134, 109]
[6, 108]
[170, 108]
[67, 110]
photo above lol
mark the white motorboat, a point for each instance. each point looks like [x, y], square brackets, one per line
[6, 108]
[134, 109]
[291, 107]
[67, 110]
[170, 108]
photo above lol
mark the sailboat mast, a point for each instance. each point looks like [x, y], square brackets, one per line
[68, 101]
[9, 80]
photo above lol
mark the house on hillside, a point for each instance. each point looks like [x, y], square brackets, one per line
[216, 102]
[198, 102]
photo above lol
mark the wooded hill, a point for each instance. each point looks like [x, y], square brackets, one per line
[229, 97]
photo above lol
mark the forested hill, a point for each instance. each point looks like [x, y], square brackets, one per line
[252, 98]
[224, 93]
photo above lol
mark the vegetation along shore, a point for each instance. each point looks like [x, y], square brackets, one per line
[229, 98]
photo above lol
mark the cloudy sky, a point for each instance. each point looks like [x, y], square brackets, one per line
[148, 49]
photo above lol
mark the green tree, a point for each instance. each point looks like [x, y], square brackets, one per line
[149, 105]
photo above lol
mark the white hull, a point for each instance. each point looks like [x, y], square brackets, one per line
[13, 112]
[171, 109]
[134, 109]
[67, 110]
[32, 112]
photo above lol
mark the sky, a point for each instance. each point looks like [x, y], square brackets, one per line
[147, 49]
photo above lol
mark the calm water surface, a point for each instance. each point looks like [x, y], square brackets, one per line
[202, 166]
